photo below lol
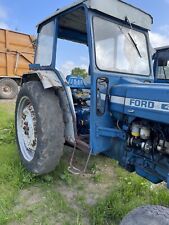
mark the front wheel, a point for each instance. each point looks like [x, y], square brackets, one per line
[39, 128]
[147, 215]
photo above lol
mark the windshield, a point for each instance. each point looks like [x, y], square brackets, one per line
[120, 49]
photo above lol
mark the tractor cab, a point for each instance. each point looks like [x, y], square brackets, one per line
[117, 42]
[161, 65]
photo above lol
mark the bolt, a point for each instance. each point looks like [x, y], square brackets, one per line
[26, 133]
[23, 116]
[34, 143]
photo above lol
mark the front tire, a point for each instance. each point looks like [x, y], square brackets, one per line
[39, 128]
[147, 215]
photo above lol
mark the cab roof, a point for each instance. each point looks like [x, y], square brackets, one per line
[163, 48]
[114, 8]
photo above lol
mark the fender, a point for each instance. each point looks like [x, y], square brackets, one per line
[49, 79]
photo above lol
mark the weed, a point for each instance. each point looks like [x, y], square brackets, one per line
[97, 177]
[66, 177]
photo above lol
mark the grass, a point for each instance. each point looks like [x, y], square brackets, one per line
[101, 197]
[130, 192]
[13, 176]
[14, 179]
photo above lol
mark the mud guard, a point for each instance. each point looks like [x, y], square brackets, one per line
[49, 79]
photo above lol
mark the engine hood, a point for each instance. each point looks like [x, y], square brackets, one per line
[148, 101]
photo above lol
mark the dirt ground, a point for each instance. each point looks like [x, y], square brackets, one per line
[77, 192]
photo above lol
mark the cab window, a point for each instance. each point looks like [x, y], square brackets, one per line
[163, 69]
[45, 44]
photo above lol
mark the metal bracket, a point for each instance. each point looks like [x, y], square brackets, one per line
[110, 132]
[74, 170]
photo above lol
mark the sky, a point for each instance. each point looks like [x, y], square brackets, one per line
[23, 15]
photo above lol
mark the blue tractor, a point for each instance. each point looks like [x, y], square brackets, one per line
[122, 110]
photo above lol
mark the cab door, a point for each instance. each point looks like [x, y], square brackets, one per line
[101, 122]
[118, 56]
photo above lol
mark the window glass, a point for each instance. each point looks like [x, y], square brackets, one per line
[120, 49]
[163, 71]
[45, 44]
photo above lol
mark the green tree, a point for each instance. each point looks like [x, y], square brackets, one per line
[79, 72]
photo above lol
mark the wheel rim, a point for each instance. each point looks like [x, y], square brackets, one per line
[26, 128]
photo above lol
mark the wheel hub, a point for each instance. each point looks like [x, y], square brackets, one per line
[6, 89]
[26, 127]
[29, 126]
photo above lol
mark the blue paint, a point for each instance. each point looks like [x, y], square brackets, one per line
[77, 82]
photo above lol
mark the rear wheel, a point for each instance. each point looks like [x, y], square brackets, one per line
[39, 128]
[8, 88]
[147, 215]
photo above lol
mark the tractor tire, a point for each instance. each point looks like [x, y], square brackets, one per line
[8, 88]
[147, 215]
[39, 128]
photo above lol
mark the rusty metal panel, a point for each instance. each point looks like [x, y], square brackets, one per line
[16, 53]
[115, 8]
